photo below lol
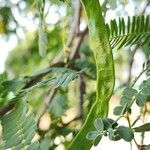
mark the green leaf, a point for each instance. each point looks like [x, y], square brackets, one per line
[143, 84]
[97, 140]
[140, 100]
[59, 77]
[64, 79]
[125, 133]
[98, 124]
[120, 110]
[117, 110]
[143, 128]
[18, 127]
[109, 123]
[146, 90]
[92, 135]
[129, 92]
[125, 101]
[133, 31]
[87, 65]
[105, 80]
[13, 85]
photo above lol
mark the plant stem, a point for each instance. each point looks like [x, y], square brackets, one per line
[129, 123]
[136, 79]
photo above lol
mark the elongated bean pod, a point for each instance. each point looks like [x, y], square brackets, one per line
[105, 72]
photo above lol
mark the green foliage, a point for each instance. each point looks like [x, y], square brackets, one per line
[58, 77]
[105, 70]
[129, 96]
[19, 128]
[13, 85]
[58, 106]
[140, 100]
[135, 30]
[97, 140]
[110, 127]
[96, 136]
[109, 123]
[119, 110]
[142, 128]
[5, 14]
[98, 124]
[103, 127]
[144, 90]
[92, 135]
[18, 124]
[125, 133]
[88, 66]
[129, 92]
[3, 91]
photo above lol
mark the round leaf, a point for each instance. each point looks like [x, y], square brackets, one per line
[129, 92]
[97, 140]
[125, 133]
[146, 90]
[98, 124]
[92, 135]
[140, 100]
[125, 101]
[117, 110]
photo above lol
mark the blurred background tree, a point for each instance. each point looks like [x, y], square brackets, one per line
[60, 112]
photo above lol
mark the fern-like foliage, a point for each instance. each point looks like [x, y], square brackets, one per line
[19, 128]
[58, 77]
[64, 79]
[87, 65]
[18, 125]
[135, 30]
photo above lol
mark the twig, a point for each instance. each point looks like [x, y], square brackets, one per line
[76, 47]
[73, 34]
[136, 79]
[131, 65]
[148, 3]
[47, 101]
[144, 147]
[76, 22]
